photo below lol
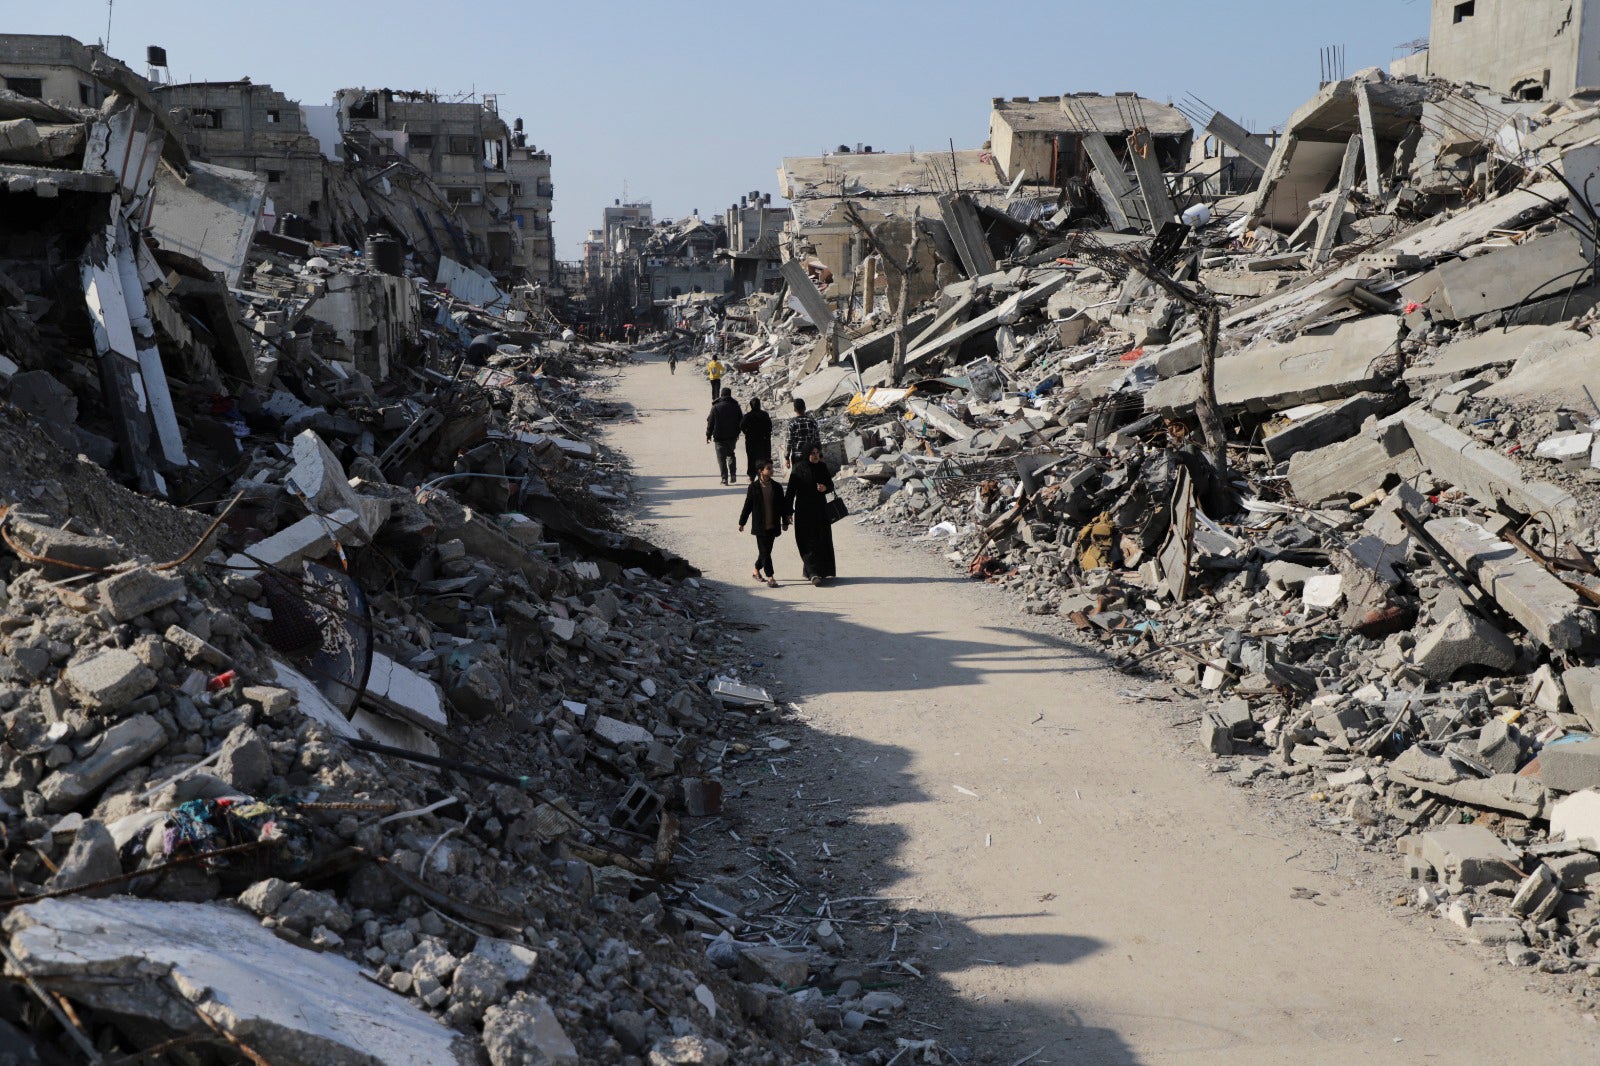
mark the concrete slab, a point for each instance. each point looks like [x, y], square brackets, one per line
[1497, 347]
[828, 386]
[1329, 365]
[289, 1004]
[1506, 277]
[1528, 592]
[309, 538]
[1485, 474]
[412, 696]
[1564, 374]
[1333, 423]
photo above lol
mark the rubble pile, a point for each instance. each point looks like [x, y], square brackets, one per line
[361, 730]
[1322, 451]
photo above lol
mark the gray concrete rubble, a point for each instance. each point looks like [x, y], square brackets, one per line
[406, 542]
[1378, 586]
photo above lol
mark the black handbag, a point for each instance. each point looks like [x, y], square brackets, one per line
[836, 509]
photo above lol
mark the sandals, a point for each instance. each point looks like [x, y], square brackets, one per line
[757, 575]
[772, 582]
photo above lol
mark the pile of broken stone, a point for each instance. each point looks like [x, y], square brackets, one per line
[400, 756]
[1387, 595]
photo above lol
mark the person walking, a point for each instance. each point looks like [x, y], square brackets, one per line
[757, 430]
[714, 371]
[672, 362]
[802, 434]
[722, 429]
[809, 485]
[766, 508]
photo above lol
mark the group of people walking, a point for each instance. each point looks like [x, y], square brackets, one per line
[771, 507]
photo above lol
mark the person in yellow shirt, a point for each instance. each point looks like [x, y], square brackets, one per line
[714, 370]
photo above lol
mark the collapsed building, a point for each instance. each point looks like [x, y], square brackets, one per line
[339, 711]
[1322, 449]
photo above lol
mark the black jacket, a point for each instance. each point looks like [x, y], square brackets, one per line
[757, 430]
[723, 421]
[753, 507]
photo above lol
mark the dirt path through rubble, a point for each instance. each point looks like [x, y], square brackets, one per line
[1101, 895]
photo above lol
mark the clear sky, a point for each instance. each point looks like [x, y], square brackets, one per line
[689, 103]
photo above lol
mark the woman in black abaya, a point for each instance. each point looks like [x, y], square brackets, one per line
[809, 486]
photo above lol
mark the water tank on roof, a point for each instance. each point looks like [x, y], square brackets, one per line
[155, 55]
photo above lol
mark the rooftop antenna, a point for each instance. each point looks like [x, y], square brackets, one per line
[109, 4]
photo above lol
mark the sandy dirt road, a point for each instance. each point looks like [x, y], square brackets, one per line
[1103, 896]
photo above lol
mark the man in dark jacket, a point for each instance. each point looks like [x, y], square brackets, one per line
[722, 429]
[757, 430]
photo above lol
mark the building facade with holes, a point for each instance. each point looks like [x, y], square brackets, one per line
[256, 128]
[1528, 49]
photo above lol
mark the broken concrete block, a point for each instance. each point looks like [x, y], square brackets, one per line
[1566, 447]
[1497, 347]
[319, 475]
[92, 858]
[1577, 817]
[138, 591]
[772, 964]
[1582, 685]
[617, 733]
[1538, 895]
[1570, 766]
[79, 549]
[1461, 640]
[1527, 591]
[1499, 747]
[291, 1004]
[1216, 736]
[406, 693]
[1354, 467]
[1506, 277]
[194, 649]
[1487, 475]
[1522, 796]
[310, 538]
[125, 744]
[1328, 425]
[1495, 932]
[1325, 591]
[525, 1032]
[1464, 856]
[110, 679]
[244, 760]
[1324, 365]
[688, 1051]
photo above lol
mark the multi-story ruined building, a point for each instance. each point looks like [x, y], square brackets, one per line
[464, 147]
[532, 195]
[253, 127]
[755, 229]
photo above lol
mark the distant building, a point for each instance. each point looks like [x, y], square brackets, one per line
[463, 147]
[1041, 141]
[532, 196]
[56, 69]
[256, 128]
[755, 240]
[1527, 49]
[881, 186]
